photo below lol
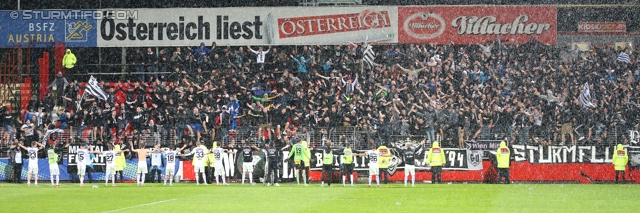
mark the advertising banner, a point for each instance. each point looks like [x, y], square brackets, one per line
[41, 28]
[476, 24]
[530, 163]
[249, 26]
[602, 27]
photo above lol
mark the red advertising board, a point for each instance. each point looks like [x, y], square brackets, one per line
[524, 171]
[334, 23]
[602, 27]
[476, 24]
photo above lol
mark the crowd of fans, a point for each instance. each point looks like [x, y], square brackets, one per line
[522, 93]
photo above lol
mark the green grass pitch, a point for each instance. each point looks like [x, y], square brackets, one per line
[188, 197]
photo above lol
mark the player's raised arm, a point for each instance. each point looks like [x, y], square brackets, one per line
[180, 149]
[22, 146]
[131, 145]
[359, 154]
[193, 151]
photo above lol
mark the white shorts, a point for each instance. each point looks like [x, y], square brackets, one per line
[33, 169]
[54, 169]
[247, 166]
[374, 170]
[142, 168]
[409, 169]
[198, 169]
[111, 170]
[81, 168]
[219, 170]
[170, 169]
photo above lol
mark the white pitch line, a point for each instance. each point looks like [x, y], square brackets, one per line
[146, 204]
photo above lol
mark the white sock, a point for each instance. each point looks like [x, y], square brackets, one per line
[106, 179]
[197, 178]
[343, 179]
[143, 174]
[378, 180]
[351, 175]
[81, 179]
[217, 182]
[57, 179]
[204, 178]
[413, 179]
[224, 180]
[405, 179]
[242, 178]
[171, 179]
[165, 180]
[250, 177]
[138, 179]
[369, 180]
[52, 181]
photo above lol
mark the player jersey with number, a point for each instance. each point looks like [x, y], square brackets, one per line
[82, 156]
[298, 152]
[217, 154]
[33, 155]
[171, 157]
[198, 157]
[110, 158]
[247, 154]
[373, 158]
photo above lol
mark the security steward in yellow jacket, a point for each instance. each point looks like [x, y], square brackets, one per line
[503, 156]
[435, 159]
[69, 63]
[620, 160]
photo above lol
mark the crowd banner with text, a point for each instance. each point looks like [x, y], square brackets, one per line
[486, 145]
[250, 26]
[476, 24]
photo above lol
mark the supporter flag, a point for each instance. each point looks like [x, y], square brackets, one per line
[95, 90]
[369, 56]
[624, 57]
[51, 131]
[474, 158]
[585, 97]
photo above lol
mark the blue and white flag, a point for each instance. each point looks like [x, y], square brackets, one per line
[624, 57]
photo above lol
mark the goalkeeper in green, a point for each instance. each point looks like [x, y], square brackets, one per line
[298, 151]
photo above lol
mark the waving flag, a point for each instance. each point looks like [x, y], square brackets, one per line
[95, 90]
[49, 132]
[369, 55]
[624, 57]
[585, 97]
